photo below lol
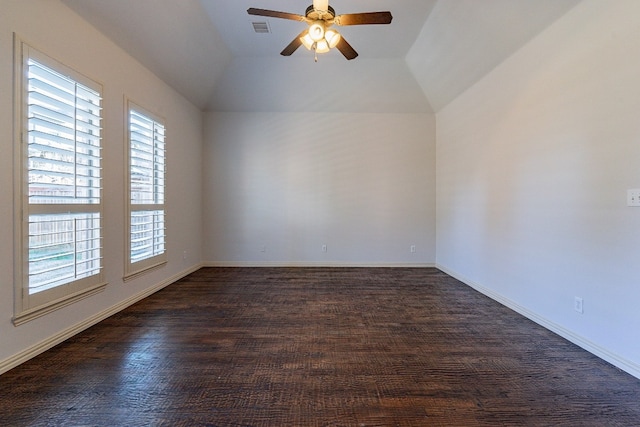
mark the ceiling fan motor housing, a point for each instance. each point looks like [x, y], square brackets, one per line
[324, 15]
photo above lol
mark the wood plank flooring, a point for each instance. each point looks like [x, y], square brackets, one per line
[317, 347]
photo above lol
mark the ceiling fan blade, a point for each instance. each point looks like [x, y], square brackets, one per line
[346, 49]
[294, 45]
[275, 14]
[364, 18]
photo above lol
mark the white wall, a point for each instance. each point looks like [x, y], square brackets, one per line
[533, 166]
[333, 84]
[361, 183]
[54, 29]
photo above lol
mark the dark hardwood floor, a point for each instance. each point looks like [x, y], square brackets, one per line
[317, 347]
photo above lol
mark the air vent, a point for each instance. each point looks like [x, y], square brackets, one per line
[261, 27]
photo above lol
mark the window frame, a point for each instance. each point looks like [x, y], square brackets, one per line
[137, 268]
[30, 305]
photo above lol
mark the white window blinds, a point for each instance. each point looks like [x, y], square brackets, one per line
[147, 160]
[147, 190]
[61, 241]
[64, 169]
[64, 139]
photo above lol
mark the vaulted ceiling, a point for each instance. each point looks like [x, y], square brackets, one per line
[432, 51]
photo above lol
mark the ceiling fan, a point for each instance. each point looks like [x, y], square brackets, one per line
[320, 36]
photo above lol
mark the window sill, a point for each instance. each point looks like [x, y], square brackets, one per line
[142, 271]
[34, 313]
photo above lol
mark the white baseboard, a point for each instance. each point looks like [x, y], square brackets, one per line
[313, 264]
[626, 365]
[65, 334]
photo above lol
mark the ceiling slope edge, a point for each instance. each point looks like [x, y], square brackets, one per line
[463, 41]
[177, 42]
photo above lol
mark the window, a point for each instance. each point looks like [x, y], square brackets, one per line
[146, 231]
[60, 244]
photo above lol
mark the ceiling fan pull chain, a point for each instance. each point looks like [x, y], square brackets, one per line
[315, 52]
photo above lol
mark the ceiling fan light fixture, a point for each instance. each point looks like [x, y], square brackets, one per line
[322, 46]
[316, 31]
[307, 41]
[332, 37]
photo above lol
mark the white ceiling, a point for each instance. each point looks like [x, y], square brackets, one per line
[432, 51]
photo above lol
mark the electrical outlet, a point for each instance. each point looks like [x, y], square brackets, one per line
[324, 248]
[578, 305]
[633, 197]
[184, 255]
[263, 248]
[412, 249]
